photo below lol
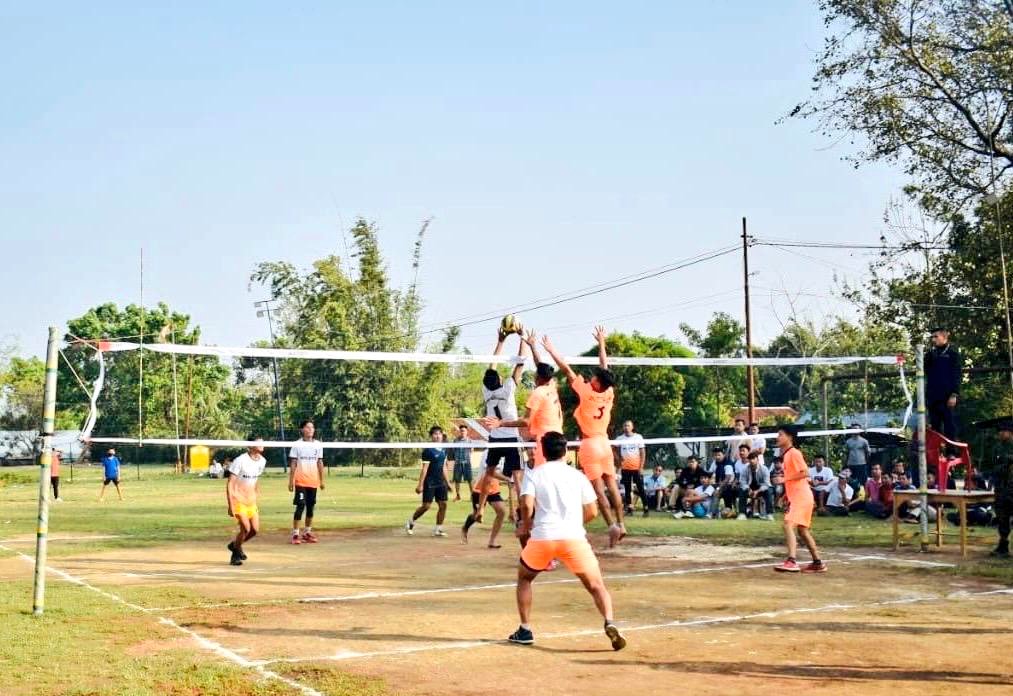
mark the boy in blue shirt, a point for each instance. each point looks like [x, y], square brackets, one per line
[433, 483]
[111, 464]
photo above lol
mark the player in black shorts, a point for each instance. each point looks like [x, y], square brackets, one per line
[501, 402]
[434, 484]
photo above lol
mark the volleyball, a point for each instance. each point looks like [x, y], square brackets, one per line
[509, 325]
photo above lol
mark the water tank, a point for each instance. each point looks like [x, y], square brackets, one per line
[200, 458]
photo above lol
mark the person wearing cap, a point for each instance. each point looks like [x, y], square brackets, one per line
[942, 383]
[1002, 474]
[840, 496]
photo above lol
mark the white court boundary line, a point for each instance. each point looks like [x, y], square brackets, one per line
[394, 594]
[685, 623]
[206, 643]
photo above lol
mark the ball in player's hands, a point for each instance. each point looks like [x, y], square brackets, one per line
[509, 325]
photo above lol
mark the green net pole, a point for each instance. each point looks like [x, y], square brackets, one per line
[45, 460]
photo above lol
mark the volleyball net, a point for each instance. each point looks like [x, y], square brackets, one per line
[178, 407]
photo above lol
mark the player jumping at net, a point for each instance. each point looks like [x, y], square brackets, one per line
[593, 414]
[305, 476]
[491, 490]
[501, 402]
[434, 484]
[556, 503]
[242, 488]
[800, 504]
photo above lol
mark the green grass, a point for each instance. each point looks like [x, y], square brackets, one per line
[86, 644]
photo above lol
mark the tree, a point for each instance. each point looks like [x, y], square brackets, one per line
[21, 395]
[713, 392]
[329, 308]
[928, 85]
[198, 391]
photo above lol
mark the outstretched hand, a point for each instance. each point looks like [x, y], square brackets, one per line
[600, 334]
[530, 337]
[547, 342]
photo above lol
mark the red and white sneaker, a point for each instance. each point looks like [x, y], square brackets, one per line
[295, 539]
[789, 566]
[815, 567]
[309, 538]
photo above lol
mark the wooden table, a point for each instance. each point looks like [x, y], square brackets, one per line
[959, 499]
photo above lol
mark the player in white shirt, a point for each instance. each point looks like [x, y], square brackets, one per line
[501, 403]
[242, 486]
[305, 476]
[632, 455]
[556, 502]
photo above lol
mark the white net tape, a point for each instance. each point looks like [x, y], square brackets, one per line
[452, 358]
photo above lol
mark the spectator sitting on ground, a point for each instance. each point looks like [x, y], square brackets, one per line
[874, 506]
[716, 465]
[821, 479]
[697, 502]
[754, 488]
[725, 489]
[686, 481]
[654, 490]
[777, 482]
[215, 470]
[840, 496]
[904, 512]
[898, 469]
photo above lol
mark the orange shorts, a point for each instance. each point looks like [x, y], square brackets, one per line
[575, 554]
[595, 457]
[800, 511]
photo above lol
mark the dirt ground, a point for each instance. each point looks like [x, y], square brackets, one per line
[429, 616]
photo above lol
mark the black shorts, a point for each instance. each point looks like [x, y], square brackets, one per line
[437, 493]
[305, 496]
[510, 456]
[107, 481]
[491, 498]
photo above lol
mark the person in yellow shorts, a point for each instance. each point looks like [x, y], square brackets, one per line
[556, 502]
[593, 414]
[798, 517]
[242, 487]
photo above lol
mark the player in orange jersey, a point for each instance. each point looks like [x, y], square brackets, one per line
[593, 414]
[800, 504]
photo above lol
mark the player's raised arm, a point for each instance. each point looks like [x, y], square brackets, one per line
[500, 340]
[600, 335]
[522, 353]
[531, 338]
[558, 359]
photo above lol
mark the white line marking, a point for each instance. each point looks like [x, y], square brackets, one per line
[31, 540]
[685, 623]
[393, 594]
[206, 643]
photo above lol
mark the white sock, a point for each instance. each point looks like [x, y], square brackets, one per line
[526, 627]
[295, 532]
[307, 530]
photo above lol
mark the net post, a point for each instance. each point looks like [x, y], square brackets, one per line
[45, 461]
[923, 516]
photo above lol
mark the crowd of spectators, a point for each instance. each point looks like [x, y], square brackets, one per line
[742, 480]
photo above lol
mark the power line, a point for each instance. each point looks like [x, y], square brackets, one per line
[914, 246]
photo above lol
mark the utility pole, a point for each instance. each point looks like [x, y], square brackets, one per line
[266, 304]
[750, 378]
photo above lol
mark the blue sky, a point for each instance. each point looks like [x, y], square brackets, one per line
[555, 145]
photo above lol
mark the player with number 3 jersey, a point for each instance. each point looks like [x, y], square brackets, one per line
[593, 415]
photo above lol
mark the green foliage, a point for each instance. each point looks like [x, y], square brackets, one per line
[924, 84]
[197, 393]
[21, 387]
[329, 308]
[712, 393]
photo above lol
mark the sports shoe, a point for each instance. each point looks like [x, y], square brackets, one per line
[309, 538]
[1000, 551]
[232, 547]
[409, 527]
[612, 631]
[789, 566]
[768, 517]
[522, 636]
[678, 515]
[815, 567]
[439, 533]
[741, 516]
[236, 560]
[295, 540]
[647, 512]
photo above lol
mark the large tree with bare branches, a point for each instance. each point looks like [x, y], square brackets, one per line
[927, 84]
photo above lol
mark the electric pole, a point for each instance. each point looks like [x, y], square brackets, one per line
[750, 379]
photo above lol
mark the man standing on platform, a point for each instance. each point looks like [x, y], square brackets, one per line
[942, 383]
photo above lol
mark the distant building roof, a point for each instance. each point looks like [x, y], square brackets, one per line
[761, 413]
